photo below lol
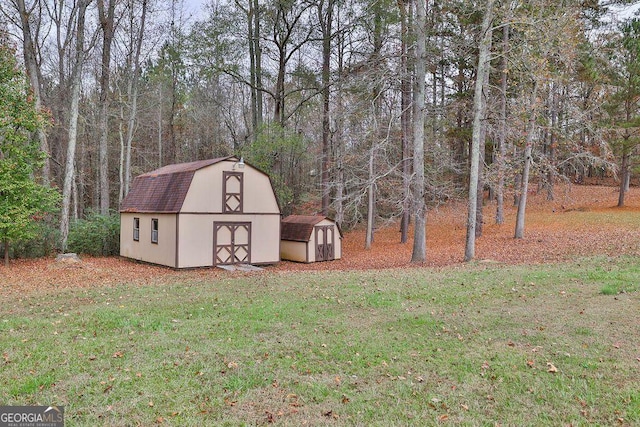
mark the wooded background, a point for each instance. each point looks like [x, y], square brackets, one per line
[364, 110]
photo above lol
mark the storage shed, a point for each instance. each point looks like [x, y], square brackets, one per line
[200, 214]
[310, 239]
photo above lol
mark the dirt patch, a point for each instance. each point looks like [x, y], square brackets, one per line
[581, 221]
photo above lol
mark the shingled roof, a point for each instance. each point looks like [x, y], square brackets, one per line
[163, 190]
[298, 228]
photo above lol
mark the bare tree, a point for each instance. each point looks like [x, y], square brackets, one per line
[285, 22]
[528, 149]
[30, 54]
[133, 64]
[76, 82]
[253, 16]
[325, 17]
[419, 254]
[107, 24]
[479, 114]
[502, 127]
[405, 116]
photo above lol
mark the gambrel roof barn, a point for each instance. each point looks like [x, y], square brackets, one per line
[199, 214]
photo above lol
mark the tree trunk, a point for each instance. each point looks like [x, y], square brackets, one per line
[255, 67]
[76, 80]
[250, 11]
[371, 201]
[624, 173]
[326, 20]
[258, 61]
[524, 184]
[106, 18]
[479, 112]
[33, 72]
[482, 154]
[278, 112]
[377, 37]
[553, 140]
[132, 95]
[405, 120]
[338, 140]
[160, 120]
[502, 130]
[419, 254]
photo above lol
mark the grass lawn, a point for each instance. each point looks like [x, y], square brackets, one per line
[480, 344]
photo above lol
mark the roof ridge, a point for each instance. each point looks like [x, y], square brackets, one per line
[185, 166]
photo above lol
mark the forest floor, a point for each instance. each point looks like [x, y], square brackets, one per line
[582, 221]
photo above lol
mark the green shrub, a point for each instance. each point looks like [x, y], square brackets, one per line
[97, 235]
[44, 243]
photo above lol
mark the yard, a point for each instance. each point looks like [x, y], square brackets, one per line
[541, 331]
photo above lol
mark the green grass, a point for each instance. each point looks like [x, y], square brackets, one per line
[470, 345]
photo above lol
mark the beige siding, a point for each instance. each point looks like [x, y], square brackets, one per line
[163, 252]
[196, 238]
[294, 251]
[265, 239]
[205, 193]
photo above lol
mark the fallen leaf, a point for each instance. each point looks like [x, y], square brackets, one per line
[445, 235]
[551, 368]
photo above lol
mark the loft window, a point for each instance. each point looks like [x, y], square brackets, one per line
[154, 230]
[136, 229]
[232, 187]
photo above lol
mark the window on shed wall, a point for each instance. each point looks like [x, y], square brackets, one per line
[154, 230]
[232, 193]
[136, 229]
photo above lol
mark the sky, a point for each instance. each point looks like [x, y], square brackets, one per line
[195, 6]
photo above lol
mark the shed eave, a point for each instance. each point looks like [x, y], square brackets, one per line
[139, 211]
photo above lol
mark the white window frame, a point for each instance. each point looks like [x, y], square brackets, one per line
[136, 229]
[154, 230]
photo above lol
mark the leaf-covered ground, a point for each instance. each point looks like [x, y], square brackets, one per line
[581, 221]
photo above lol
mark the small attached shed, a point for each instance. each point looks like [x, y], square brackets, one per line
[201, 214]
[310, 239]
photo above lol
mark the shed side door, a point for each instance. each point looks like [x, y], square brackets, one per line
[231, 243]
[324, 242]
